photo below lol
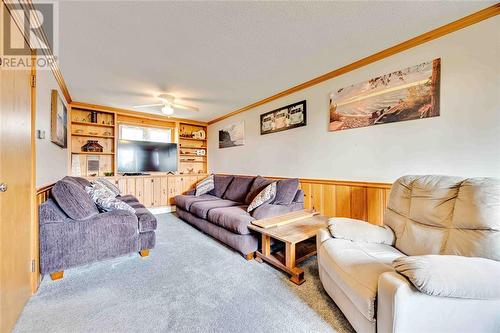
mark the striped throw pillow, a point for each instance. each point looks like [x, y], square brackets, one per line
[266, 195]
[205, 186]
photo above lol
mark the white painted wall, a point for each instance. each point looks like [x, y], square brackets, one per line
[51, 160]
[463, 141]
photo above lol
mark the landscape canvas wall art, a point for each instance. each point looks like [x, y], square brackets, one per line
[407, 94]
[232, 135]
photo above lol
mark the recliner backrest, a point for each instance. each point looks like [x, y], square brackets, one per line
[445, 215]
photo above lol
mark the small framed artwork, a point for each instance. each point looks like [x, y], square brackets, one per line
[285, 118]
[58, 121]
[232, 135]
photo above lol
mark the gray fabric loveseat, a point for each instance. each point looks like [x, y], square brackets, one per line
[222, 213]
[74, 232]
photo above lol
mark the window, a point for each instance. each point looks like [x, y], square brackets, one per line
[141, 133]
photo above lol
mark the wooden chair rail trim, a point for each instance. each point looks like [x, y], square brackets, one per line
[410, 43]
[44, 188]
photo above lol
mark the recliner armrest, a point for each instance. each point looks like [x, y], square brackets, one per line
[360, 231]
[402, 308]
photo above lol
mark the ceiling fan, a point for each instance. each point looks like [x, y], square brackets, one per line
[168, 105]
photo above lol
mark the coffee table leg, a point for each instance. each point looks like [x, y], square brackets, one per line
[265, 246]
[297, 273]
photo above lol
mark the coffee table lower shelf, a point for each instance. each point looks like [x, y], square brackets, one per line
[288, 259]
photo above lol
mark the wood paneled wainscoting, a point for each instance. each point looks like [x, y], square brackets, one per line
[358, 200]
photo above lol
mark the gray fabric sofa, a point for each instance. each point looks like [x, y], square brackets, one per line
[448, 218]
[74, 232]
[222, 214]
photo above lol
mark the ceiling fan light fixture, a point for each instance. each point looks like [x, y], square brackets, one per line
[167, 110]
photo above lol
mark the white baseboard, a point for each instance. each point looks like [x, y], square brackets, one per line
[162, 210]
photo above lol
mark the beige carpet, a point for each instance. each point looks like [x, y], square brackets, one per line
[189, 283]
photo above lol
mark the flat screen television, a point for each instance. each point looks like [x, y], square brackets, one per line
[145, 156]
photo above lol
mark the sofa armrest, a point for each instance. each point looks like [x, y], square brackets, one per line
[360, 231]
[402, 308]
[270, 210]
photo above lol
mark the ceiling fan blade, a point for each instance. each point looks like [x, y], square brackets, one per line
[148, 105]
[184, 107]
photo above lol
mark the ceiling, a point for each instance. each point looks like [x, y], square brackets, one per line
[221, 56]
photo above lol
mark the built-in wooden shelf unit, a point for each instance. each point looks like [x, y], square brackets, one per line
[192, 151]
[192, 157]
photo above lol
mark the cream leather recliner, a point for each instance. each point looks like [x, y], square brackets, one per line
[427, 215]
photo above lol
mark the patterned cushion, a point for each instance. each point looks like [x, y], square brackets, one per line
[105, 198]
[258, 185]
[266, 195]
[109, 185]
[205, 186]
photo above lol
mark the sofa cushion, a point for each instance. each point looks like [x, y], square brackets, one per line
[185, 201]
[355, 268]
[238, 189]
[147, 221]
[285, 191]
[78, 181]
[201, 208]
[128, 198]
[73, 200]
[235, 219]
[258, 185]
[220, 185]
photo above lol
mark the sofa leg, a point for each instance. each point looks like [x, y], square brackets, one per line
[250, 256]
[57, 275]
[144, 253]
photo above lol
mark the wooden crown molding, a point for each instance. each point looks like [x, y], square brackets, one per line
[26, 6]
[424, 38]
[131, 113]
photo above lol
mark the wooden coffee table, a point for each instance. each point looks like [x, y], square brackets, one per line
[299, 238]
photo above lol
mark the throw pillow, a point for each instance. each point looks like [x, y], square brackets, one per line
[73, 200]
[205, 186]
[258, 185]
[109, 185]
[452, 276]
[104, 198]
[285, 191]
[266, 195]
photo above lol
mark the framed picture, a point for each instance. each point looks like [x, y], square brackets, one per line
[232, 135]
[407, 94]
[285, 118]
[58, 121]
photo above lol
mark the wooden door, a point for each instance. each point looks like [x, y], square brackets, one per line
[17, 204]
